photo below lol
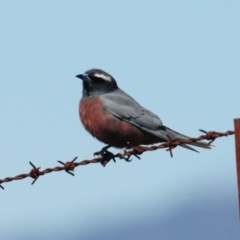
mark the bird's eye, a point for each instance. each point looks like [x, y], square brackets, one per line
[97, 79]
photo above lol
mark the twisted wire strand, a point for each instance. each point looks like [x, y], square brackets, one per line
[69, 166]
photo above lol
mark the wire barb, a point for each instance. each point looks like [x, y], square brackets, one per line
[105, 158]
[34, 173]
[69, 166]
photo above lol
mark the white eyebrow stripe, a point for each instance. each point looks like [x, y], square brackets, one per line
[104, 77]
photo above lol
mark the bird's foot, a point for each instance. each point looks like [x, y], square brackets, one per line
[122, 155]
[102, 152]
[105, 155]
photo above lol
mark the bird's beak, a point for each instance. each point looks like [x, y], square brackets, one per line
[84, 77]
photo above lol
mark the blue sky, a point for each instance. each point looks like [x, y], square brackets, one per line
[180, 59]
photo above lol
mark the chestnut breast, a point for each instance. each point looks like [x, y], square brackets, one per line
[109, 129]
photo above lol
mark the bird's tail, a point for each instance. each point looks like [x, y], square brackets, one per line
[175, 135]
[201, 144]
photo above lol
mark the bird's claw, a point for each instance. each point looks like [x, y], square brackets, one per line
[122, 155]
[105, 155]
[127, 158]
[102, 152]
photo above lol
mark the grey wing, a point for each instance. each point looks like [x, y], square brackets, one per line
[124, 107]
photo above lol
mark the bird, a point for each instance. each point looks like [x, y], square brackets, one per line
[117, 119]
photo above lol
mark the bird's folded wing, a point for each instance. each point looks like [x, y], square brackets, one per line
[124, 107]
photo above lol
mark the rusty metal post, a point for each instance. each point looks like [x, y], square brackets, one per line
[237, 142]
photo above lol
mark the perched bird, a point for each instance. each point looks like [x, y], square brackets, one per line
[115, 118]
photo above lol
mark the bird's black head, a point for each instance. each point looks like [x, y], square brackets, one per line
[97, 82]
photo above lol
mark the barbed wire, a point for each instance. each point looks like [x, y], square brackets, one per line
[106, 156]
